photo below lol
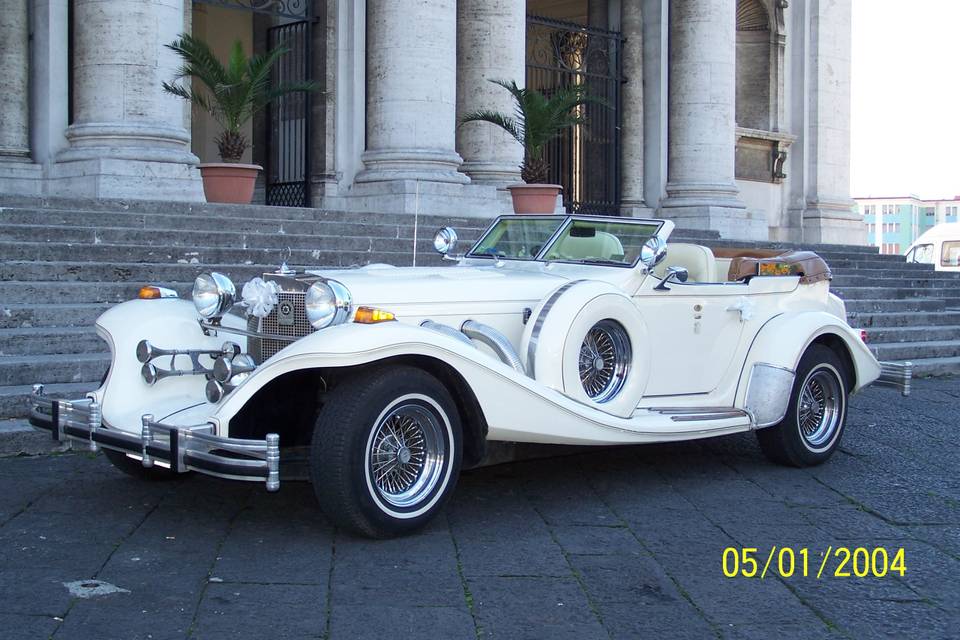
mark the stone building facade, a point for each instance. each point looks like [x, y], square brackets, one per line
[731, 115]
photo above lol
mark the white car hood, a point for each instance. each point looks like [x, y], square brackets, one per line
[384, 285]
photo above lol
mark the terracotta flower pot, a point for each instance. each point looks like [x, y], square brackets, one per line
[229, 182]
[534, 198]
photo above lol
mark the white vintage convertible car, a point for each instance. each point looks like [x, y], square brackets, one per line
[551, 329]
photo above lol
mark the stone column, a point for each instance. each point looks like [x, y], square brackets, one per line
[829, 214]
[411, 92]
[631, 130]
[491, 37]
[701, 192]
[15, 96]
[128, 137]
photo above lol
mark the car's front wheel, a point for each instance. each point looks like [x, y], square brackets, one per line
[386, 451]
[811, 430]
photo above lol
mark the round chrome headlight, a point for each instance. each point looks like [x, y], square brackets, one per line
[445, 241]
[327, 303]
[213, 294]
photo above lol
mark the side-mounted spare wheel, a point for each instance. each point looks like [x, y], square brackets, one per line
[812, 428]
[386, 451]
[588, 341]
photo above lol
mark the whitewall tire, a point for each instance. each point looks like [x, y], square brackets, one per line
[386, 451]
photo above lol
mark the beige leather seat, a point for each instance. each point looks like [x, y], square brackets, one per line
[602, 245]
[698, 260]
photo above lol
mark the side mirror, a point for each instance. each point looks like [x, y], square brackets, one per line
[445, 241]
[677, 274]
[653, 252]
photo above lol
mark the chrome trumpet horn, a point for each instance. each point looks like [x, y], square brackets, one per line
[146, 351]
[226, 367]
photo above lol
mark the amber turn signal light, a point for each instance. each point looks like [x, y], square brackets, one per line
[370, 315]
[153, 292]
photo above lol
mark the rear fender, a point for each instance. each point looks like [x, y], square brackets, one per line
[779, 346]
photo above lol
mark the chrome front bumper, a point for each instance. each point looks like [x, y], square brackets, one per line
[193, 448]
[897, 375]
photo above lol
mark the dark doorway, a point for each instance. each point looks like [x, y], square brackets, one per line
[281, 132]
[584, 159]
[288, 129]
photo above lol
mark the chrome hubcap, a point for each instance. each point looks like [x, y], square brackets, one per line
[407, 455]
[604, 360]
[820, 409]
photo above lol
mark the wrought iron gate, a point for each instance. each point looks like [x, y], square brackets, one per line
[584, 159]
[288, 128]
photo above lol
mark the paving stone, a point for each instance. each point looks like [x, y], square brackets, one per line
[587, 540]
[231, 610]
[533, 608]
[379, 621]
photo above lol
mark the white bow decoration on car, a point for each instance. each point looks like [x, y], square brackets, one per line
[260, 296]
[745, 306]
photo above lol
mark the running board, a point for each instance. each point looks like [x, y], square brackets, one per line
[700, 414]
[896, 375]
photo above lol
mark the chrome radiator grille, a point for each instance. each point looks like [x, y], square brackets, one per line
[288, 318]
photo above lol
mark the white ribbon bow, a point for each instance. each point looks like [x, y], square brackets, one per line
[260, 296]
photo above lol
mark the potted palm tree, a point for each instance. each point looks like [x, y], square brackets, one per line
[538, 119]
[232, 93]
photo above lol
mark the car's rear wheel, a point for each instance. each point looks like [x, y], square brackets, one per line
[386, 451]
[812, 428]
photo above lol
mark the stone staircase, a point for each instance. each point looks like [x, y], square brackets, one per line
[63, 262]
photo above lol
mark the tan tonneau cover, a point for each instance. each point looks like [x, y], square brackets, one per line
[746, 263]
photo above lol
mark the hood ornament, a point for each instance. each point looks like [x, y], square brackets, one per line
[284, 270]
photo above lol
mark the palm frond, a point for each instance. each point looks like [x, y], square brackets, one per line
[508, 124]
[232, 92]
[538, 118]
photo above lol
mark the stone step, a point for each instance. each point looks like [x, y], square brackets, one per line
[892, 293]
[891, 319]
[13, 399]
[366, 251]
[213, 210]
[22, 293]
[794, 246]
[50, 340]
[927, 367]
[239, 219]
[50, 315]
[847, 268]
[904, 281]
[891, 335]
[53, 368]
[909, 350]
[337, 239]
[874, 305]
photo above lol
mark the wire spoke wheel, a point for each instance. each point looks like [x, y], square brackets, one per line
[604, 360]
[407, 455]
[820, 408]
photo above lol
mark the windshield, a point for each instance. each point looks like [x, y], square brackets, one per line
[517, 238]
[607, 241]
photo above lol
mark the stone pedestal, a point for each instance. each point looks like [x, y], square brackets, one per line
[701, 192]
[632, 118]
[490, 45]
[128, 136]
[411, 92]
[18, 174]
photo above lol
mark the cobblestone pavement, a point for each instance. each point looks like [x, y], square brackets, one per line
[622, 543]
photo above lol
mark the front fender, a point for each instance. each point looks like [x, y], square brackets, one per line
[351, 344]
[782, 341]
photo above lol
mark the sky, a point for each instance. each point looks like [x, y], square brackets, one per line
[905, 117]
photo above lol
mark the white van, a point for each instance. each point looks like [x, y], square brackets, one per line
[940, 246]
